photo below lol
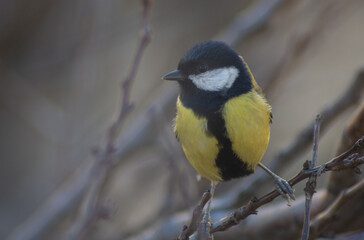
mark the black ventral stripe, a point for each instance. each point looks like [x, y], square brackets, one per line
[229, 164]
[209, 105]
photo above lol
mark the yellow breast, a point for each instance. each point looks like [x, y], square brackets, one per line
[199, 147]
[247, 120]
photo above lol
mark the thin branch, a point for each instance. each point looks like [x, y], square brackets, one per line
[337, 181]
[320, 223]
[126, 106]
[348, 218]
[137, 134]
[91, 208]
[303, 140]
[203, 231]
[267, 218]
[299, 144]
[350, 97]
[311, 183]
[195, 219]
[346, 160]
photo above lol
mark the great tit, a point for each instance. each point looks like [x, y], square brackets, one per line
[223, 118]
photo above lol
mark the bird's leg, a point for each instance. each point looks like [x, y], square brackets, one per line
[282, 185]
[206, 217]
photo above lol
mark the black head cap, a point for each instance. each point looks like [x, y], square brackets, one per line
[209, 55]
[203, 57]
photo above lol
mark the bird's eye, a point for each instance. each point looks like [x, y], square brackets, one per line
[202, 68]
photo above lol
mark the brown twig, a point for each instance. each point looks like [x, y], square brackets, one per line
[272, 217]
[91, 207]
[311, 183]
[274, 220]
[346, 160]
[303, 140]
[203, 231]
[196, 218]
[126, 84]
[135, 136]
[300, 143]
[266, 221]
[332, 213]
[338, 181]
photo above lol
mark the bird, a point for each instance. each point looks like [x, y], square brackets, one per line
[222, 115]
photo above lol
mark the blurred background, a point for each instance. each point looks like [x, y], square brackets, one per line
[61, 64]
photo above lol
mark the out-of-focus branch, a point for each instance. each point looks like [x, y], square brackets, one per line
[271, 218]
[196, 218]
[299, 144]
[135, 136]
[339, 181]
[350, 236]
[64, 199]
[248, 21]
[297, 45]
[349, 98]
[347, 160]
[343, 218]
[311, 183]
[333, 215]
[91, 208]
[126, 106]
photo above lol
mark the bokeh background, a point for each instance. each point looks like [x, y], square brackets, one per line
[61, 64]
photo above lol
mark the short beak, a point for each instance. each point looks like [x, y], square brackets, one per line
[174, 76]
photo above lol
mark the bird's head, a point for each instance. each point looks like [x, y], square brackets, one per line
[212, 67]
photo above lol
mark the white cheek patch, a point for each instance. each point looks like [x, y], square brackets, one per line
[215, 80]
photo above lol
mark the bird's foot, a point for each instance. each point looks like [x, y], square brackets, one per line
[285, 189]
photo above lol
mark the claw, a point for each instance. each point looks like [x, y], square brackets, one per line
[282, 185]
[285, 189]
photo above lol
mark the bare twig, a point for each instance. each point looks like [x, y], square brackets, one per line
[299, 144]
[195, 219]
[203, 231]
[273, 215]
[64, 198]
[126, 106]
[91, 207]
[332, 213]
[311, 183]
[275, 220]
[347, 99]
[339, 181]
[135, 136]
[303, 140]
[348, 218]
[346, 160]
